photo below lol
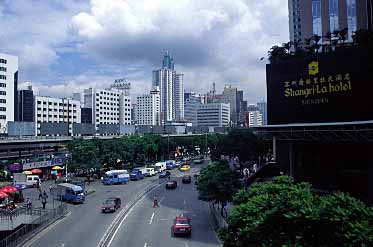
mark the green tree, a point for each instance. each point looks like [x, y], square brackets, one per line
[218, 183]
[284, 213]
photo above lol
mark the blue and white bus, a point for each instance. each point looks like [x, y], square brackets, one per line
[116, 177]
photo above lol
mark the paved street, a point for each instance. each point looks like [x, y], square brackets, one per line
[149, 227]
[86, 225]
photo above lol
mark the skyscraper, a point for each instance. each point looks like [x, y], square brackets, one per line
[171, 87]
[309, 17]
[8, 90]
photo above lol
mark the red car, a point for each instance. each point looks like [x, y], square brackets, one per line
[171, 184]
[181, 226]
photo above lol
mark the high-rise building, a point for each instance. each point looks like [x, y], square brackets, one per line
[8, 89]
[262, 108]
[230, 96]
[25, 106]
[309, 17]
[109, 106]
[148, 108]
[191, 106]
[254, 118]
[171, 88]
[56, 110]
[213, 115]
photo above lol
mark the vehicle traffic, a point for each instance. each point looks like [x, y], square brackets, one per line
[184, 168]
[116, 177]
[165, 174]
[111, 204]
[181, 226]
[69, 192]
[150, 171]
[171, 184]
[187, 179]
[21, 179]
[138, 173]
[160, 166]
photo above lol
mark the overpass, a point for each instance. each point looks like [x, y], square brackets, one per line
[26, 146]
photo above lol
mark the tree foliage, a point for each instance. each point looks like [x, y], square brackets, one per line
[218, 183]
[284, 213]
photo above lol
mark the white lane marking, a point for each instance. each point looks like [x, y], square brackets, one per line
[120, 224]
[184, 201]
[146, 244]
[43, 232]
[162, 199]
[151, 219]
[186, 244]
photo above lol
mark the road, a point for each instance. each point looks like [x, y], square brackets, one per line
[86, 226]
[149, 227]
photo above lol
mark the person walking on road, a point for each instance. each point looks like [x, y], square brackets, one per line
[155, 202]
[44, 199]
[28, 203]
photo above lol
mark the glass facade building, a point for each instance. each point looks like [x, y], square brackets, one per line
[333, 15]
[351, 18]
[316, 17]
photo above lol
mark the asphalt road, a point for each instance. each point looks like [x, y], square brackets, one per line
[86, 225]
[149, 227]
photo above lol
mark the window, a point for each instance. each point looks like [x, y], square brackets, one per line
[4, 62]
[2, 93]
[2, 100]
[2, 108]
[3, 77]
[3, 69]
[2, 85]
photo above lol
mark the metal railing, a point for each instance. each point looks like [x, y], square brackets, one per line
[46, 217]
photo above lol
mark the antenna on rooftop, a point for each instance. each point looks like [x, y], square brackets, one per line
[123, 85]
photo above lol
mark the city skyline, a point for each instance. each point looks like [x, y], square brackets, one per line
[83, 50]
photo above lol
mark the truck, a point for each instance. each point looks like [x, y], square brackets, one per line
[150, 171]
[116, 177]
[160, 166]
[22, 179]
[69, 192]
[138, 173]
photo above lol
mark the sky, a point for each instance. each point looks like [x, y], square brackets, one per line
[65, 46]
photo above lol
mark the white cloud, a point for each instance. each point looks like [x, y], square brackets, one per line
[211, 40]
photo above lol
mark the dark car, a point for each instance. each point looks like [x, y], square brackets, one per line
[187, 179]
[111, 204]
[181, 226]
[171, 184]
[165, 174]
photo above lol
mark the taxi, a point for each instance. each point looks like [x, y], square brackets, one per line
[185, 167]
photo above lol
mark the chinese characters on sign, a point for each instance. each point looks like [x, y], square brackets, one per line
[318, 88]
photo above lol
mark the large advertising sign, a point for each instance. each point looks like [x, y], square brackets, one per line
[326, 88]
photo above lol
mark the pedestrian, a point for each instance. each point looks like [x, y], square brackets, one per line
[40, 194]
[155, 202]
[28, 203]
[50, 188]
[44, 199]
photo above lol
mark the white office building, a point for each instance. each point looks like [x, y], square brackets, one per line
[213, 115]
[171, 86]
[109, 106]
[191, 106]
[148, 108]
[8, 87]
[56, 110]
[255, 118]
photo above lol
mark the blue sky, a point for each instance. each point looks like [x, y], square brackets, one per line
[65, 46]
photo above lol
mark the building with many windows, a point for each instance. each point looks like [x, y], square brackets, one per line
[24, 111]
[191, 106]
[8, 89]
[171, 86]
[213, 115]
[109, 106]
[309, 17]
[254, 118]
[55, 116]
[148, 108]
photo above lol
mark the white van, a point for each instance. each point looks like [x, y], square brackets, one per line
[150, 172]
[32, 180]
[161, 166]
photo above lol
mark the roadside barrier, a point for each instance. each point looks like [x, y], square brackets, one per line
[45, 218]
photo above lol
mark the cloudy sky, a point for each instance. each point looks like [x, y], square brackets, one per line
[65, 46]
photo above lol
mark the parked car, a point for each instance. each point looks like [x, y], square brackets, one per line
[111, 204]
[165, 174]
[187, 179]
[171, 184]
[181, 226]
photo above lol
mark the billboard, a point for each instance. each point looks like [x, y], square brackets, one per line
[331, 87]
